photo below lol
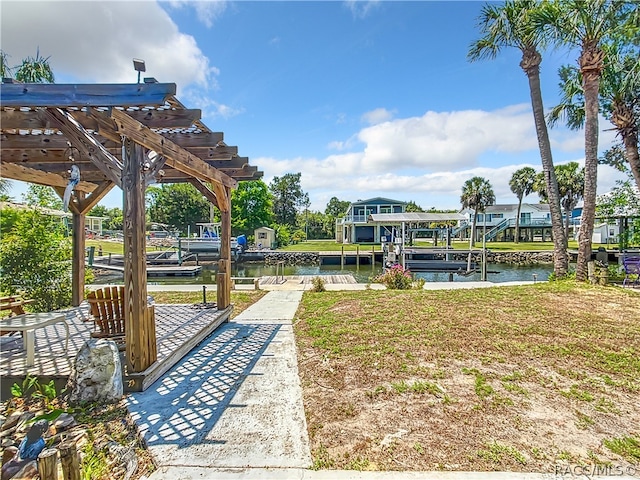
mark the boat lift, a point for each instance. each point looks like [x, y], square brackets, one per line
[433, 260]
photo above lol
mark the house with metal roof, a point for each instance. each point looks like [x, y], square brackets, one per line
[499, 222]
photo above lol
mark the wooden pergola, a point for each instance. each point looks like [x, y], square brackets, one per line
[124, 135]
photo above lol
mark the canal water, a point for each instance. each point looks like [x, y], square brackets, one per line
[498, 273]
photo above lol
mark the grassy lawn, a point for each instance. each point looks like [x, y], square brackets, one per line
[508, 378]
[240, 299]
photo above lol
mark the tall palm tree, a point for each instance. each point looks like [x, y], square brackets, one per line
[585, 25]
[510, 25]
[619, 100]
[477, 194]
[521, 185]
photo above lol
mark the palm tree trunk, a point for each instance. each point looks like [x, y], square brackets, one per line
[591, 85]
[472, 236]
[631, 151]
[518, 220]
[561, 258]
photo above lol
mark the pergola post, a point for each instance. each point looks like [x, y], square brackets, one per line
[139, 319]
[223, 279]
[77, 264]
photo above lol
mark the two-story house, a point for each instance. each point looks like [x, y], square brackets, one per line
[355, 226]
[499, 222]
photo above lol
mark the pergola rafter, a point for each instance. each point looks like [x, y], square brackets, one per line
[129, 135]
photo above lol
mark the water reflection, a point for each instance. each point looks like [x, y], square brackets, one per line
[498, 273]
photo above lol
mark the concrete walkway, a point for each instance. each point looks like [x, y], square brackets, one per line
[232, 409]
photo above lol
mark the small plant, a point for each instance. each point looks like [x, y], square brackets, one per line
[627, 447]
[395, 278]
[496, 451]
[318, 284]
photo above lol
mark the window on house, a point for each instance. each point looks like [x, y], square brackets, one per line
[262, 235]
[385, 209]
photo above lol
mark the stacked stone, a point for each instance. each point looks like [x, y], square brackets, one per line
[292, 258]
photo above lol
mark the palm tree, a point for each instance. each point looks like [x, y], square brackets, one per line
[521, 184]
[477, 194]
[619, 100]
[5, 69]
[35, 70]
[585, 25]
[510, 25]
[571, 186]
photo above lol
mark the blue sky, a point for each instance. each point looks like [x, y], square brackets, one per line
[364, 98]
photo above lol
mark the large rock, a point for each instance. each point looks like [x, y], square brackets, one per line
[97, 373]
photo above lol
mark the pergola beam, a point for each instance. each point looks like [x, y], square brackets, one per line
[87, 145]
[24, 174]
[17, 119]
[60, 95]
[176, 156]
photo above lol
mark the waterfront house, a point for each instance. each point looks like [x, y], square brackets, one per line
[355, 226]
[499, 222]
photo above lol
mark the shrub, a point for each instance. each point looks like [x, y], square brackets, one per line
[318, 284]
[395, 278]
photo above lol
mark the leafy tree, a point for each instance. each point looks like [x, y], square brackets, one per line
[586, 25]
[511, 25]
[336, 208]
[288, 197]
[413, 207]
[179, 205]
[42, 196]
[521, 184]
[35, 258]
[622, 201]
[283, 234]
[114, 216]
[477, 194]
[35, 70]
[251, 207]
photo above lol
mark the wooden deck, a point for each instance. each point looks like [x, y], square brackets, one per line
[179, 328]
[307, 279]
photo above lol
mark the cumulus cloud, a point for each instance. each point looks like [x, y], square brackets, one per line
[443, 140]
[376, 116]
[96, 41]
[427, 159]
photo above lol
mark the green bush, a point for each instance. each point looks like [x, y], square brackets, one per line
[35, 260]
[318, 284]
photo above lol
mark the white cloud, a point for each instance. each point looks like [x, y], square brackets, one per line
[361, 8]
[427, 159]
[208, 11]
[96, 41]
[376, 116]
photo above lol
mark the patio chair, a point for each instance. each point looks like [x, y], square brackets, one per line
[631, 267]
[14, 303]
[107, 309]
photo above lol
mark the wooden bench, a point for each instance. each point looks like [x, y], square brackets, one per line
[631, 267]
[16, 304]
[107, 308]
[245, 280]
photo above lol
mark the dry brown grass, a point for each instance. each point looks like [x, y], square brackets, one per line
[508, 378]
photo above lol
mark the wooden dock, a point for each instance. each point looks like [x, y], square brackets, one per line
[115, 263]
[307, 279]
[179, 328]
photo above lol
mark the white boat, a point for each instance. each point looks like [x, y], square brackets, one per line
[207, 240]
